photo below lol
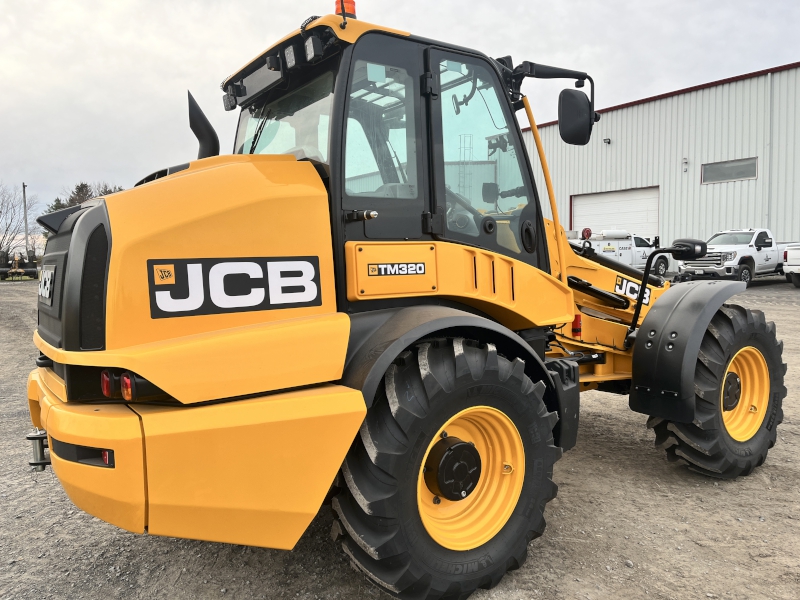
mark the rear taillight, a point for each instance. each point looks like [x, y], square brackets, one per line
[109, 384]
[785, 255]
[106, 456]
[127, 386]
[105, 383]
[135, 387]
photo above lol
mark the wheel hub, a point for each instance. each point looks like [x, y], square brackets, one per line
[731, 391]
[453, 469]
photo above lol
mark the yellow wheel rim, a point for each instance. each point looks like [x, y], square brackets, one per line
[743, 420]
[473, 521]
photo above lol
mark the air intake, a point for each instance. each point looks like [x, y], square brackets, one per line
[93, 283]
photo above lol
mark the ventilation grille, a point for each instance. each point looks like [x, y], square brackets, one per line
[93, 318]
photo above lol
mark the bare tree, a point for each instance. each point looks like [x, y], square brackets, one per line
[12, 218]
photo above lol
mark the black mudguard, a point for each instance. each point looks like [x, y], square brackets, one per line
[378, 337]
[667, 345]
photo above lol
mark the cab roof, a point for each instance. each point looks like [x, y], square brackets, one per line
[350, 34]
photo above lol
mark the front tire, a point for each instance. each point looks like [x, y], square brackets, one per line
[745, 274]
[661, 266]
[415, 542]
[739, 393]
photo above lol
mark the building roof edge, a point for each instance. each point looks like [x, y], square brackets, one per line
[687, 90]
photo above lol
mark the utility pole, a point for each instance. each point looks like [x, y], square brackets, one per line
[25, 210]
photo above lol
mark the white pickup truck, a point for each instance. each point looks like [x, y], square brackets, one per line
[791, 264]
[627, 248]
[740, 254]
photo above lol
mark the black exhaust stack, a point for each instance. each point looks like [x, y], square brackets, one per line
[202, 129]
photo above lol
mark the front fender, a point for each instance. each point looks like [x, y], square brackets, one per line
[667, 345]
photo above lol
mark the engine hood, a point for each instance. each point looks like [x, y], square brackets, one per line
[727, 248]
[242, 207]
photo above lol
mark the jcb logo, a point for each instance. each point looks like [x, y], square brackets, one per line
[164, 274]
[630, 289]
[47, 281]
[206, 286]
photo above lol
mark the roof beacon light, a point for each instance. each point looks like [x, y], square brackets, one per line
[349, 7]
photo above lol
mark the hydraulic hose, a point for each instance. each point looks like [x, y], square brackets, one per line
[562, 275]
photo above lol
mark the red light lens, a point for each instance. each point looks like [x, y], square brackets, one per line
[105, 384]
[127, 386]
[104, 454]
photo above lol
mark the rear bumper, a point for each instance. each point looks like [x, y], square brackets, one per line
[791, 269]
[115, 495]
[251, 472]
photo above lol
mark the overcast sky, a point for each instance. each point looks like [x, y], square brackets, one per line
[97, 90]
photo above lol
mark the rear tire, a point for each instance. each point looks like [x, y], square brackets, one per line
[733, 430]
[788, 277]
[796, 279]
[387, 517]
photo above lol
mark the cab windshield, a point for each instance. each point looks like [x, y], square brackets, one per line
[295, 122]
[732, 239]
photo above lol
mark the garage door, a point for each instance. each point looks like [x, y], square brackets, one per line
[635, 211]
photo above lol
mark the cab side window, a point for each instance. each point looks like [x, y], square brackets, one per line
[384, 139]
[483, 163]
[380, 159]
[761, 240]
[641, 242]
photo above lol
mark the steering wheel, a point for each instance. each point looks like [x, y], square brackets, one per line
[450, 194]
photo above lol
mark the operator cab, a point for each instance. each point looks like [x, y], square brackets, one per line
[414, 139]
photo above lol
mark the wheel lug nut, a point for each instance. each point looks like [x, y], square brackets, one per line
[437, 500]
[463, 494]
[444, 434]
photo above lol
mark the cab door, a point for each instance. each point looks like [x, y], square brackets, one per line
[765, 253]
[483, 191]
[384, 141]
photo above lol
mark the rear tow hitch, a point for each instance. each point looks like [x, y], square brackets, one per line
[39, 440]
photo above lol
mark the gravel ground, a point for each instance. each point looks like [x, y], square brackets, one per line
[625, 524]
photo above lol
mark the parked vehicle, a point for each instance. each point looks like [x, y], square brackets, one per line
[739, 254]
[630, 249]
[791, 264]
[14, 264]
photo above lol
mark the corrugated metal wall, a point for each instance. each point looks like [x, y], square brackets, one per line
[649, 142]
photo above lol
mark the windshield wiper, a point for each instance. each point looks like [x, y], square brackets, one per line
[259, 129]
[397, 161]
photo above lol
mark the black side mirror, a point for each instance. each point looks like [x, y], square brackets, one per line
[656, 242]
[575, 118]
[490, 192]
[688, 249]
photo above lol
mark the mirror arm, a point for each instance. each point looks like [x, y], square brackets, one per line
[595, 115]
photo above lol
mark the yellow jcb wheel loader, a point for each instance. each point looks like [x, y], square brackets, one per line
[401, 329]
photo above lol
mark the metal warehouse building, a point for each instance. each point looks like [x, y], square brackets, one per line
[689, 163]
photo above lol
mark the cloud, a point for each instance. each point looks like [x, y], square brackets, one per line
[97, 90]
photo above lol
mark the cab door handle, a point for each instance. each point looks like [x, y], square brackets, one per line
[360, 215]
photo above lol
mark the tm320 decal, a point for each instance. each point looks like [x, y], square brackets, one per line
[208, 286]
